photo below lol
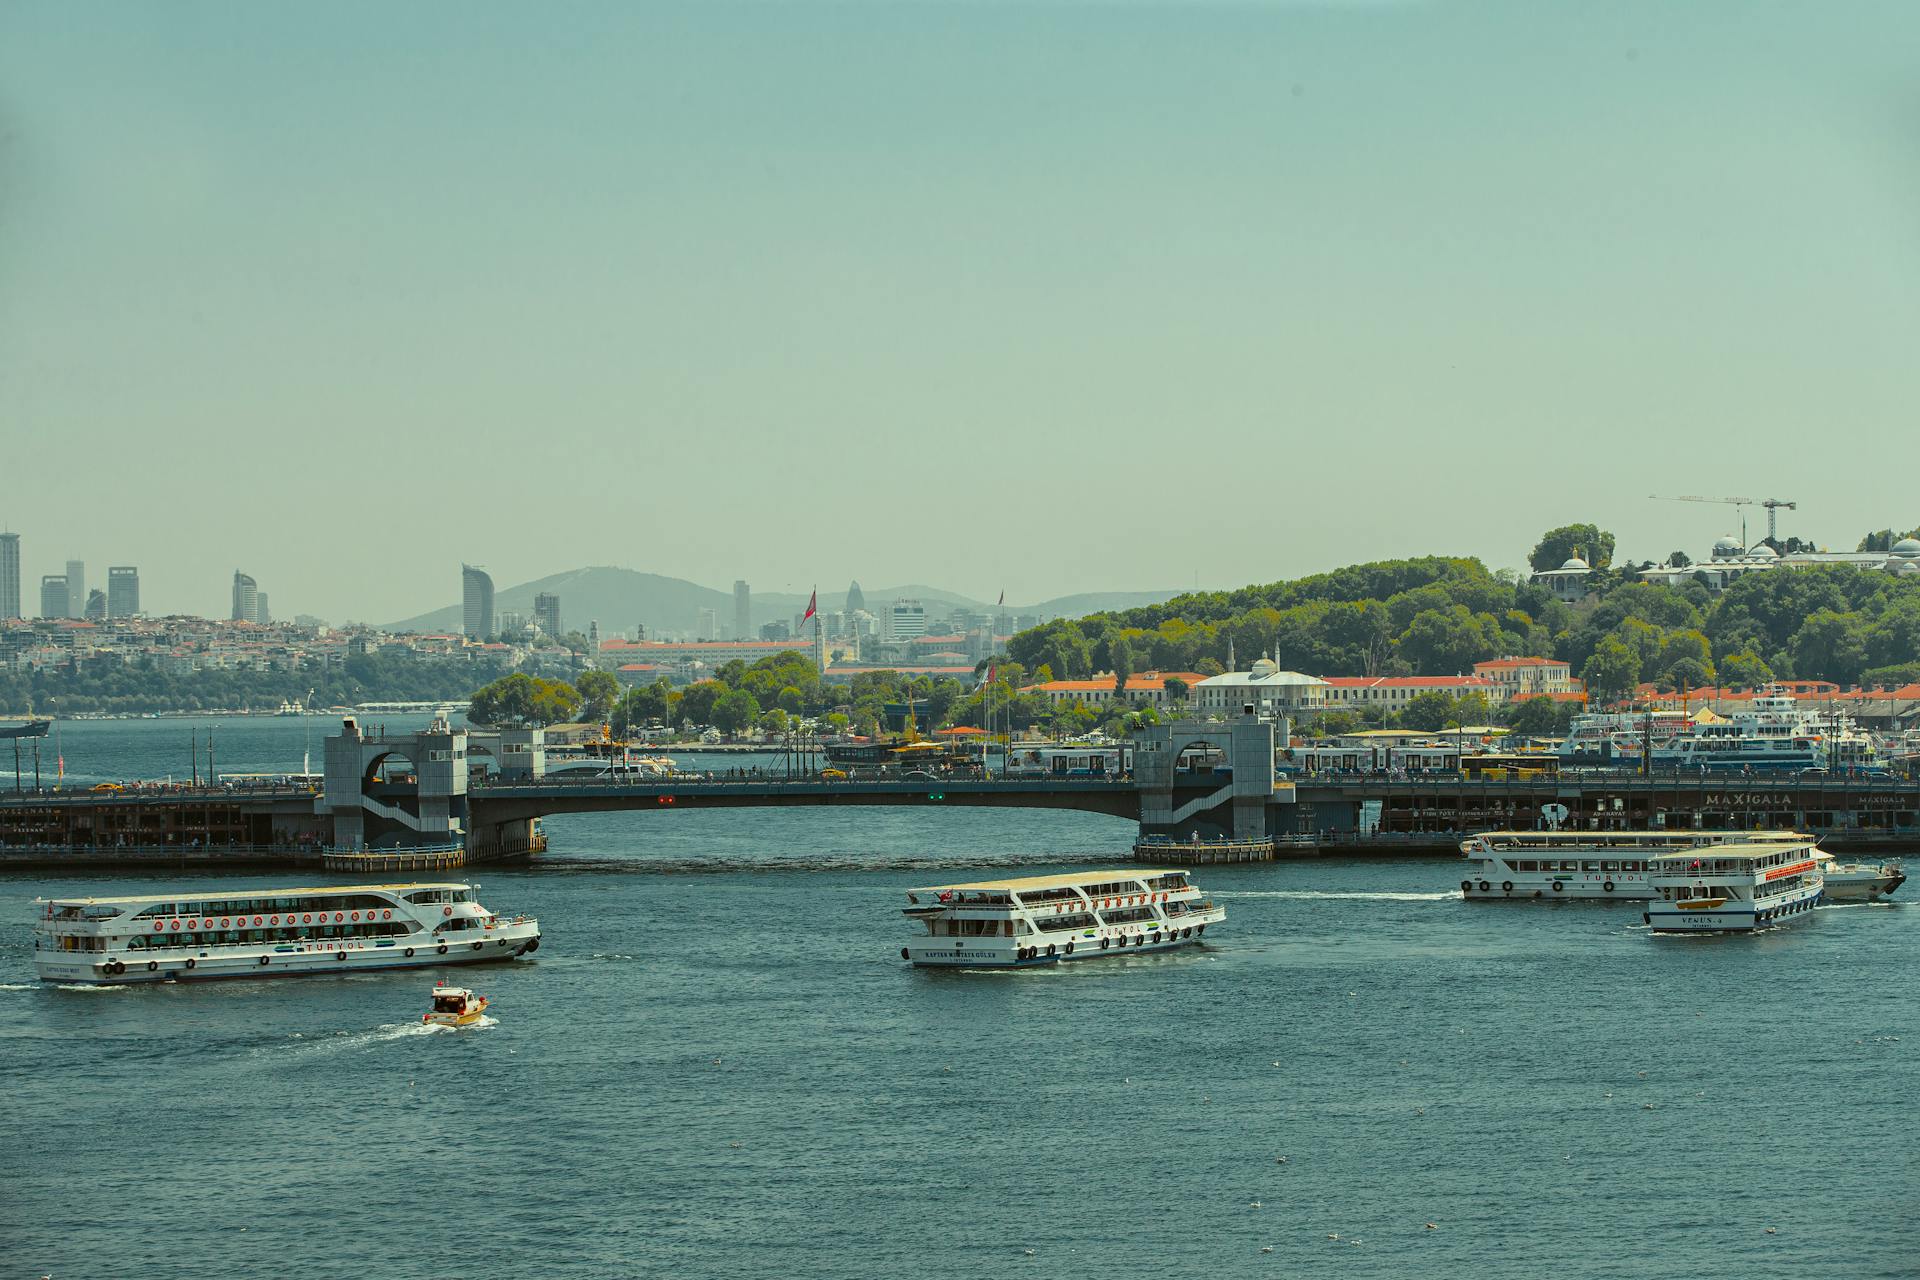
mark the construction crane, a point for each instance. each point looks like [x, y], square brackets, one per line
[1772, 505]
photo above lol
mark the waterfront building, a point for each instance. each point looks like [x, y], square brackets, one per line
[246, 598]
[742, 610]
[1523, 677]
[906, 619]
[53, 595]
[76, 588]
[1142, 687]
[123, 591]
[1271, 690]
[96, 609]
[476, 602]
[1395, 692]
[546, 614]
[9, 576]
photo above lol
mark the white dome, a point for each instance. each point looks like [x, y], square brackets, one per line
[1909, 566]
[1727, 545]
[1574, 564]
[1763, 551]
[1907, 548]
[1264, 666]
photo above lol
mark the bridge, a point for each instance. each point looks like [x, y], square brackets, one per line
[429, 790]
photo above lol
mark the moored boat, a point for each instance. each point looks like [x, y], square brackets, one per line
[1045, 920]
[1735, 888]
[272, 933]
[1585, 864]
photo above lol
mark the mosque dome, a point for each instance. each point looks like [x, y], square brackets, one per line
[1575, 564]
[1725, 546]
[1763, 551]
[1907, 548]
[1264, 667]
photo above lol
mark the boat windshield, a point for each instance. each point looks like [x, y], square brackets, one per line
[449, 1004]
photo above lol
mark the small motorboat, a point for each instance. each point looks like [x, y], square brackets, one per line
[454, 1007]
[1863, 881]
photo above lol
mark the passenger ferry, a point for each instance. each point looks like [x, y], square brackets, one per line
[1585, 864]
[1775, 734]
[1735, 887]
[1618, 737]
[272, 933]
[1044, 920]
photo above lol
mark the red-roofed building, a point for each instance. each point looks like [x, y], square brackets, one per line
[1518, 677]
[1394, 692]
[1149, 687]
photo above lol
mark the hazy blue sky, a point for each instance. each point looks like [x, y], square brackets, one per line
[1044, 296]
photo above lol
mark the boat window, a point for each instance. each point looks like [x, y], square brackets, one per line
[1569, 866]
[1609, 866]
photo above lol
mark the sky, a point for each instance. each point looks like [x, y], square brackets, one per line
[993, 295]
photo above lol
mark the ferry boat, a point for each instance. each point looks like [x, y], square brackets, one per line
[272, 933]
[1618, 737]
[1735, 888]
[454, 1007]
[1046, 920]
[1863, 881]
[1586, 864]
[1774, 734]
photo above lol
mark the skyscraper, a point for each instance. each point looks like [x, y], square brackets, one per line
[123, 591]
[76, 588]
[742, 610]
[546, 614]
[96, 610]
[53, 595]
[9, 576]
[906, 619]
[246, 598]
[856, 598]
[709, 626]
[476, 591]
[261, 614]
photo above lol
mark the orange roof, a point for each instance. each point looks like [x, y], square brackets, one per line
[1502, 664]
[959, 730]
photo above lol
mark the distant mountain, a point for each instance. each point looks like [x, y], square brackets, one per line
[620, 598]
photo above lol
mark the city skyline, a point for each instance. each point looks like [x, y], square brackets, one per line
[1345, 281]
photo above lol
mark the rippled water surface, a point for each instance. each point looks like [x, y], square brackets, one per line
[718, 1066]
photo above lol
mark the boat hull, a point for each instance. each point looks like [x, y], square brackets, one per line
[1628, 886]
[975, 956]
[1732, 915]
[507, 942]
[1843, 887]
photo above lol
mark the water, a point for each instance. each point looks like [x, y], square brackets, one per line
[718, 1066]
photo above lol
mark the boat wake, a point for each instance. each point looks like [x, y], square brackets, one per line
[347, 1041]
[1314, 895]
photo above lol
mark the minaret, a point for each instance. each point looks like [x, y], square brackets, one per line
[1230, 663]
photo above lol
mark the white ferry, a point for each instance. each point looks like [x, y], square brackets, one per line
[271, 933]
[1043, 920]
[1863, 881]
[1585, 864]
[1773, 734]
[1618, 737]
[1735, 887]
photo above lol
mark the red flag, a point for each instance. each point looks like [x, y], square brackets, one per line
[812, 601]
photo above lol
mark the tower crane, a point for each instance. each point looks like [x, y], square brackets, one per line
[1772, 505]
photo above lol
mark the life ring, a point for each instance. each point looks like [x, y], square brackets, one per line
[446, 911]
[1559, 886]
[191, 963]
[478, 945]
[173, 926]
[152, 965]
[1506, 886]
[306, 919]
[386, 915]
[356, 917]
[337, 917]
[443, 948]
[225, 923]
[409, 953]
[1466, 886]
[263, 959]
[1607, 887]
[1485, 887]
[256, 922]
[1104, 943]
[340, 955]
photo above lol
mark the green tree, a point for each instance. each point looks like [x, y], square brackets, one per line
[734, 710]
[1830, 646]
[1535, 716]
[641, 705]
[1613, 670]
[522, 701]
[773, 721]
[1556, 546]
[1744, 670]
[1176, 689]
[598, 692]
[696, 703]
[1448, 642]
[1687, 673]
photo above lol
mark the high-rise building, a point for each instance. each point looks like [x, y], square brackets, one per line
[261, 614]
[96, 610]
[123, 591]
[476, 592]
[53, 595]
[906, 620]
[742, 610]
[546, 614]
[246, 598]
[709, 625]
[76, 588]
[9, 576]
[775, 630]
[856, 598]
